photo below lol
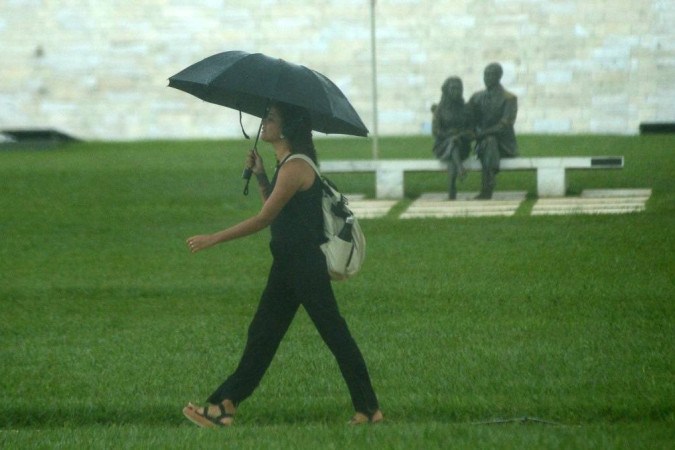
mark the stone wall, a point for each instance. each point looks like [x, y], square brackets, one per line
[99, 69]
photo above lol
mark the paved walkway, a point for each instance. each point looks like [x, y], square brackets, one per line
[369, 208]
[505, 203]
[598, 201]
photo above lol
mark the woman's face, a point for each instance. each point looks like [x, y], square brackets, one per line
[454, 90]
[271, 127]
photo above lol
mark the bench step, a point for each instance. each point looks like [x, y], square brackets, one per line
[371, 209]
[498, 195]
[595, 201]
[505, 203]
[595, 193]
[459, 209]
[437, 205]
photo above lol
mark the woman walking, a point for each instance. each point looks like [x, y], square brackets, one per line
[299, 276]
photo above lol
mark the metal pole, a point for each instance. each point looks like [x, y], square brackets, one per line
[373, 49]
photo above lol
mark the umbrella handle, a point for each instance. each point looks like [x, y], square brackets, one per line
[246, 174]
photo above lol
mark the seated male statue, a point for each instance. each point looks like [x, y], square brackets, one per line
[494, 110]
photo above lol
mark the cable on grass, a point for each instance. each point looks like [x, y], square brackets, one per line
[522, 420]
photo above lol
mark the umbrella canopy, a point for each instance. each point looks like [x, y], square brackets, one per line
[248, 81]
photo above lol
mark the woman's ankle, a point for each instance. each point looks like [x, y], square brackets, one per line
[214, 409]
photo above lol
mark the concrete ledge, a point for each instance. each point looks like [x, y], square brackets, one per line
[33, 139]
[426, 165]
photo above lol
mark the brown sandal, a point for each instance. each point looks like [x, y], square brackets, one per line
[203, 420]
[361, 418]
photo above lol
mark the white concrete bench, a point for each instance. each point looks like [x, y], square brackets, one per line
[551, 177]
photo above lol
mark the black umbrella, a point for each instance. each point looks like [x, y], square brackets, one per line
[248, 81]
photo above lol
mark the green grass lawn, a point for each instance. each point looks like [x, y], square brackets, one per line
[108, 326]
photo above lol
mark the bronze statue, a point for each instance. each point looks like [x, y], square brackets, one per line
[494, 110]
[452, 127]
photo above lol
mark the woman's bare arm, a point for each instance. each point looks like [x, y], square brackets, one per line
[291, 178]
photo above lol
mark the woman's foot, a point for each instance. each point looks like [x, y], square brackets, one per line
[362, 419]
[221, 415]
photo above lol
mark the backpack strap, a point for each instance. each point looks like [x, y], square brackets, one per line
[340, 201]
[305, 158]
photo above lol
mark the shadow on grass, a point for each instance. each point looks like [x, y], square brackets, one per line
[165, 415]
[46, 416]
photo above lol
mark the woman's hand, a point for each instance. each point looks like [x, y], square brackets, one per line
[200, 242]
[254, 162]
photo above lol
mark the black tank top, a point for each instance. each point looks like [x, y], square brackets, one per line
[300, 222]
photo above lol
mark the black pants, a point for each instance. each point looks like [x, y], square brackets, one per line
[298, 277]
